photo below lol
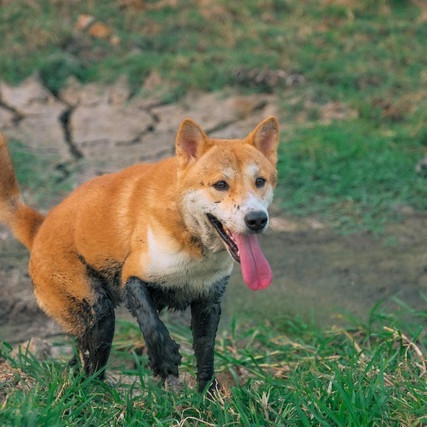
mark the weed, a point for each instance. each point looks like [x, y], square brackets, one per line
[370, 373]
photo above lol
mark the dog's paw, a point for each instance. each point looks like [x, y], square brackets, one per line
[214, 388]
[166, 361]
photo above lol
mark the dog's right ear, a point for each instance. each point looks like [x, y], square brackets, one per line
[265, 138]
[191, 142]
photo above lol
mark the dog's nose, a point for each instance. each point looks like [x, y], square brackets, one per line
[256, 220]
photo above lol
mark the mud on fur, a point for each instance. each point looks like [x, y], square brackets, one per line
[152, 236]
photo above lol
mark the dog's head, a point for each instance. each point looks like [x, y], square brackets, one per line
[226, 187]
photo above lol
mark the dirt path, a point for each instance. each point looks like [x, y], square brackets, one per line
[319, 272]
[91, 130]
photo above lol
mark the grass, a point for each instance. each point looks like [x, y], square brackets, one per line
[355, 169]
[372, 373]
[344, 46]
[352, 132]
[355, 176]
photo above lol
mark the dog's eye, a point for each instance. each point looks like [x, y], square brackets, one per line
[260, 182]
[221, 186]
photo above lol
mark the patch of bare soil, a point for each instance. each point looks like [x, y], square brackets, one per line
[322, 273]
[94, 130]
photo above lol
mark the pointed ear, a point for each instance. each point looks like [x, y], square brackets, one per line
[191, 142]
[265, 138]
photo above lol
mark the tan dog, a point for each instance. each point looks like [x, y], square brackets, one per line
[161, 235]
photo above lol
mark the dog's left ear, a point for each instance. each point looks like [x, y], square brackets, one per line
[191, 142]
[265, 138]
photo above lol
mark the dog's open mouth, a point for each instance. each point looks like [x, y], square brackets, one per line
[226, 237]
[245, 249]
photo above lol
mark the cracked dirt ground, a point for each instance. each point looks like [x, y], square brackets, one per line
[90, 130]
[109, 128]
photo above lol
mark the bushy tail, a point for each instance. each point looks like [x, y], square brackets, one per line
[20, 218]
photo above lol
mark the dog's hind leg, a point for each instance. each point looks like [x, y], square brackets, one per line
[163, 351]
[67, 294]
[92, 325]
[205, 316]
[95, 341]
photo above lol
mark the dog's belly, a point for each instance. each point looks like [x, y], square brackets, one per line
[174, 267]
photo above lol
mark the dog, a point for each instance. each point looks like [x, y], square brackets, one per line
[154, 236]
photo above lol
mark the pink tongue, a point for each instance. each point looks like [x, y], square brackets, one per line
[256, 271]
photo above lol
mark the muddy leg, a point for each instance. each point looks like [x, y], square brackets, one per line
[205, 315]
[163, 351]
[95, 342]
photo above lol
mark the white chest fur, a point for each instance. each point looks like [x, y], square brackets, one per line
[170, 265]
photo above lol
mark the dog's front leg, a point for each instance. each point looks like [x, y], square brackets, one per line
[205, 315]
[163, 351]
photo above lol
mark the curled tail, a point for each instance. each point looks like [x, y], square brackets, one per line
[20, 218]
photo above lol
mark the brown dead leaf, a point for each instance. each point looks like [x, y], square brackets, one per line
[100, 31]
[114, 40]
[83, 22]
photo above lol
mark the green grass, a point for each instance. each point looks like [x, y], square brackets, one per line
[356, 176]
[182, 44]
[198, 46]
[292, 373]
[355, 171]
